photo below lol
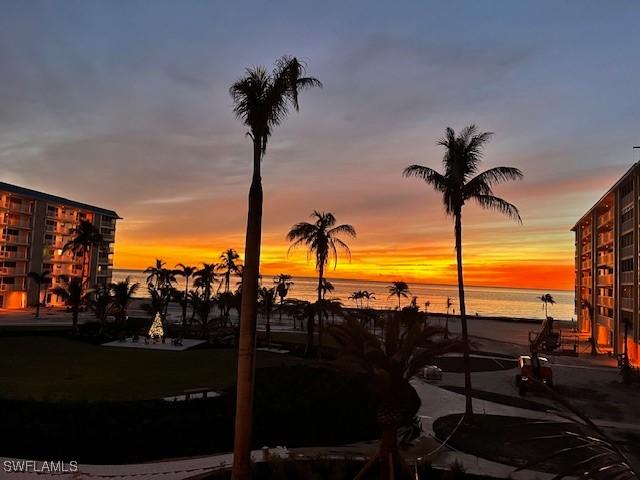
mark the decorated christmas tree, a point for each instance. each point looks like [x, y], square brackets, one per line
[156, 331]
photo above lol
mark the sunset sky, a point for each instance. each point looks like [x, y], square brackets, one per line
[125, 105]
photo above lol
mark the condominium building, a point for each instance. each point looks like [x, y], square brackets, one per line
[35, 228]
[606, 267]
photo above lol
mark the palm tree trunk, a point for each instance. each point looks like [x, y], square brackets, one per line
[248, 317]
[184, 307]
[468, 410]
[318, 310]
[38, 303]
[388, 452]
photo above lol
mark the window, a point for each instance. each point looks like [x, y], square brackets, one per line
[628, 215]
[626, 189]
[9, 281]
[626, 240]
[626, 265]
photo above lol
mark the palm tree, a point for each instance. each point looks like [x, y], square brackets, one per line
[261, 100]
[460, 183]
[86, 237]
[187, 272]
[283, 284]
[326, 287]
[399, 289]
[390, 364]
[267, 301]
[367, 295]
[427, 304]
[40, 279]
[448, 304]
[155, 273]
[123, 293]
[228, 265]
[204, 280]
[322, 241]
[357, 297]
[72, 297]
[546, 299]
[100, 302]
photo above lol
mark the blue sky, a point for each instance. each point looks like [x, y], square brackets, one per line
[125, 104]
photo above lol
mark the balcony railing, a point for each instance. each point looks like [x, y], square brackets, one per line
[586, 264]
[17, 255]
[585, 232]
[605, 320]
[605, 301]
[626, 277]
[605, 259]
[17, 207]
[11, 287]
[14, 223]
[605, 279]
[626, 251]
[13, 270]
[627, 200]
[606, 219]
[605, 239]
[586, 280]
[19, 239]
[626, 303]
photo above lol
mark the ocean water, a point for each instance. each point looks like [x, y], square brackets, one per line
[488, 301]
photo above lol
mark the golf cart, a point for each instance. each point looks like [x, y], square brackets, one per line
[533, 368]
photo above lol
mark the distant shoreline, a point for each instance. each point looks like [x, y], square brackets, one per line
[356, 280]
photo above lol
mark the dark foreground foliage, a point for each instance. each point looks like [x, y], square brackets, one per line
[294, 406]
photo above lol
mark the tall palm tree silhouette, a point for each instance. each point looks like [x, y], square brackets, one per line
[122, 293]
[322, 241]
[460, 183]
[229, 264]
[40, 279]
[262, 101]
[187, 272]
[546, 299]
[283, 284]
[85, 237]
[399, 289]
[73, 298]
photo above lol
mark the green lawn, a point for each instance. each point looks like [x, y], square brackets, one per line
[53, 369]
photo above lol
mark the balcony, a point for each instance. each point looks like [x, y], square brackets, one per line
[627, 277]
[586, 248]
[12, 222]
[605, 259]
[605, 239]
[626, 303]
[586, 280]
[587, 264]
[605, 320]
[17, 207]
[626, 251]
[605, 220]
[585, 232]
[11, 287]
[17, 270]
[15, 239]
[626, 226]
[16, 255]
[627, 200]
[605, 280]
[605, 301]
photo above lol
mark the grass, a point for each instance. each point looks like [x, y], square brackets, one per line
[295, 406]
[56, 368]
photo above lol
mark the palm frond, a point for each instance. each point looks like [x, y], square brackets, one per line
[497, 204]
